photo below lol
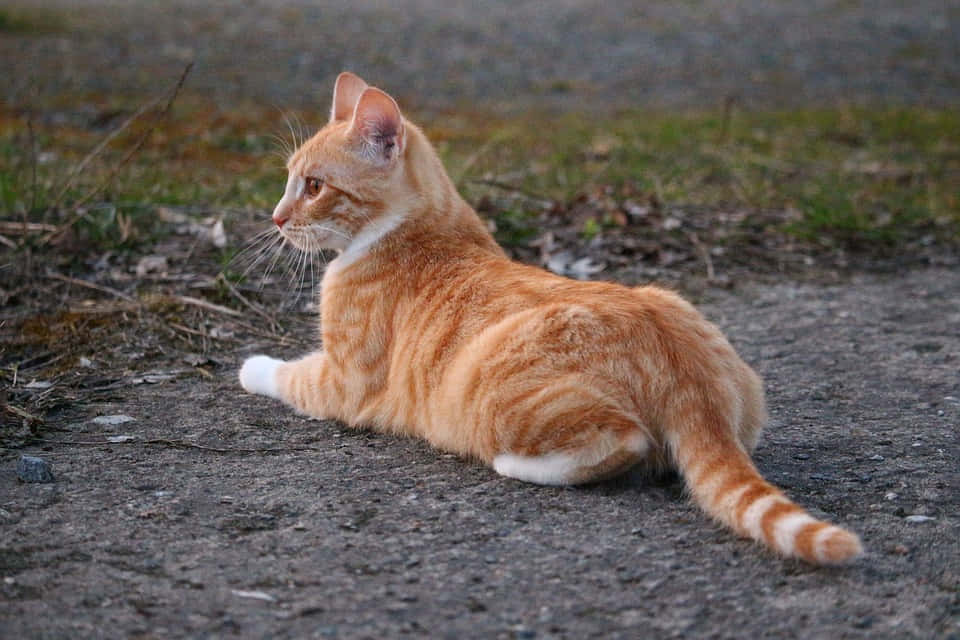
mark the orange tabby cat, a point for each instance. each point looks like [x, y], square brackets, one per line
[430, 330]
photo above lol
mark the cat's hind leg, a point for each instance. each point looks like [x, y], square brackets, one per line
[603, 456]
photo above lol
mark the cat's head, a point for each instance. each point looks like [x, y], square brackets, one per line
[348, 180]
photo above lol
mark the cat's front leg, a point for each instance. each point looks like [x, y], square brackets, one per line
[305, 384]
[259, 375]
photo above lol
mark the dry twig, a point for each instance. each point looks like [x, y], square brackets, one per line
[203, 304]
[20, 228]
[255, 308]
[180, 444]
[78, 205]
[89, 285]
[704, 253]
[22, 413]
[509, 187]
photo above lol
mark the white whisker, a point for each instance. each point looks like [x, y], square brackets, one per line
[293, 135]
[272, 244]
[277, 253]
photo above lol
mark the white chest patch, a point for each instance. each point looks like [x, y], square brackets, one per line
[368, 237]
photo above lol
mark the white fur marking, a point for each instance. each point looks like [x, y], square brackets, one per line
[754, 515]
[368, 236]
[561, 468]
[637, 442]
[293, 190]
[551, 469]
[728, 502]
[259, 375]
[786, 529]
[820, 542]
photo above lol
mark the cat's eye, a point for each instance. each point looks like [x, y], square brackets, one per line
[313, 186]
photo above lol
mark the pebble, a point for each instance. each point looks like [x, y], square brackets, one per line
[112, 420]
[919, 518]
[32, 469]
[253, 595]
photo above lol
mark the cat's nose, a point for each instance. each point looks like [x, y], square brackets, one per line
[280, 217]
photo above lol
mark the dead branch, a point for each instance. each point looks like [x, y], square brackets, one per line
[193, 332]
[78, 205]
[496, 184]
[704, 253]
[239, 296]
[20, 228]
[80, 166]
[89, 285]
[32, 141]
[178, 444]
[22, 413]
[204, 304]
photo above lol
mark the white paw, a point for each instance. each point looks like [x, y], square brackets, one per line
[259, 375]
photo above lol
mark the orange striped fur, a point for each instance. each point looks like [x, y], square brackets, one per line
[428, 329]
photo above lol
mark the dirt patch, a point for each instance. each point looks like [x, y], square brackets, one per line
[503, 55]
[208, 511]
[183, 507]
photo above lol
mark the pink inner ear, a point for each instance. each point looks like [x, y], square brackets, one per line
[346, 93]
[378, 121]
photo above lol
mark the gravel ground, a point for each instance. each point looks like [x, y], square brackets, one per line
[216, 514]
[584, 54]
[341, 533]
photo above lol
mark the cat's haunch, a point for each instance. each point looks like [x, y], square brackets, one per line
[428, 329]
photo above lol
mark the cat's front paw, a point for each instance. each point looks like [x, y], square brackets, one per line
[259, 375]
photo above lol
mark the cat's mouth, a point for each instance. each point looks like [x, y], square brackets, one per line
[314, 238]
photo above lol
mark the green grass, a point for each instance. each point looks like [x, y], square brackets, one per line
[849, 175]
[25, 20]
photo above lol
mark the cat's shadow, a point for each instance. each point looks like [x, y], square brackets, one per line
[638, 479]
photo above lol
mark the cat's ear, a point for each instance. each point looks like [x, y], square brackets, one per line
[378, 123]
[346, 92]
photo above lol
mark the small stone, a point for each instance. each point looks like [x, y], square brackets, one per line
[864, 623]
[918, 518]
[900, 550]
[520, 631]
[151, 264]
[32, 469]
[253, 595]
[218, 235]
[672, 223]
[890, 495]
[877, 458]
[112, 420]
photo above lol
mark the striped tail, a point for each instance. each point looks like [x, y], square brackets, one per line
[724, 482]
